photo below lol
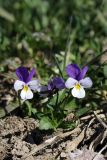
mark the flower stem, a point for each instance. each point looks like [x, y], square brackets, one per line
[57, 97]
[20, 104]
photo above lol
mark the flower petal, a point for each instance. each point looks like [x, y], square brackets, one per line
[83, 73]
[58, 83]
[26, 94]
[70, 83]
[18, 85]
[79, 93]
[50, 85]
[22, 73]
[31, 74]
[72, 70]
[29, 94]
[86, 82]
[34, 85]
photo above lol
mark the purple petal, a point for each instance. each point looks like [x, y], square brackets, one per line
[59, 83]
[50, 85]
[31, 74]
[22, 73]
[73, 70]
[43, 89]
[83, 73]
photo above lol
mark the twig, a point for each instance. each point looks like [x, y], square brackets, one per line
[102, 149]
[104, 136]
[100, 120]
[95, 142]
[101, 115]
[95, 158]
[91, 116]
[51, 141]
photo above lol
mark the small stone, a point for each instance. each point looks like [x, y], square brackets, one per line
[63, 155]
[63, 145]
[49, 150]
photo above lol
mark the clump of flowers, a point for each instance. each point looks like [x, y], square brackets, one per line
[76, 80]
[25, 83]
[51, 112]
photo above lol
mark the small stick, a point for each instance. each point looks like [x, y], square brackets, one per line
[95, 158]
[92, 115]
[100, 120]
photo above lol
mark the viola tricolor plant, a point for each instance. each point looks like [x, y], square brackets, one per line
[76, 80]
[50, 100]
[25, 83]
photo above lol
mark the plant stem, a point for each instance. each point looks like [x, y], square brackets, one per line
[66, 97]
[56, 104]
[57, 63]
[20, 104]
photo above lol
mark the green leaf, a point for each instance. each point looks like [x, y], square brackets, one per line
[46, 123]
[68, 125]
[34, 110]
[70, 105]
[6, 15]
[105, 71]
[53, 100]
[82, 111]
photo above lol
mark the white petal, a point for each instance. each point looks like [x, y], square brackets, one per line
[70, 83]
[29, 94]
[34, 85]
[18, 85]
[26, 94]
[79, 93]
[86, 82]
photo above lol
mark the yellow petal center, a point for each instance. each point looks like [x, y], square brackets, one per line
[77, 86]
[25, 88]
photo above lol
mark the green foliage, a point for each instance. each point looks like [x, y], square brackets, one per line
[46, 123]
[105, 71]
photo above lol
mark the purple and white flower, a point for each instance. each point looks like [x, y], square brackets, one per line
[76, 80]
[25, 83]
